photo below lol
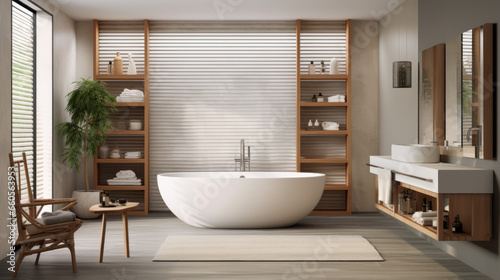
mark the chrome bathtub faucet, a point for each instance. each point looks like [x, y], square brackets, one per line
[242, 160]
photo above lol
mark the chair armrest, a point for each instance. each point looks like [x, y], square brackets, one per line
[42, 202]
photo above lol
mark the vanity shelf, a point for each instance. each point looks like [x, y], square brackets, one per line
[130, 104]
[449, 194]
[105, 77]
[120, 160]
[323, 104]
[324, 77]
[324, 132]
[125, 132]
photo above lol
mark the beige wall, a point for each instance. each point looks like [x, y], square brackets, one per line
[5, 119]
[398, 107]
[364, 115]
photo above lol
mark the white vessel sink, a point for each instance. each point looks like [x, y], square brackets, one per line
[415, 153]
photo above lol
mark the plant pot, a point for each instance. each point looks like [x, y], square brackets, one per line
[85, 201]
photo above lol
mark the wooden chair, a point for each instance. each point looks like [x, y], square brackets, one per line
[31, 231]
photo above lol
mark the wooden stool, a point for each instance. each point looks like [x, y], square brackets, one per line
[119, 209]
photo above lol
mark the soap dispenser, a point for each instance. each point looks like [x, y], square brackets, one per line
[320, 97]
[312, 68]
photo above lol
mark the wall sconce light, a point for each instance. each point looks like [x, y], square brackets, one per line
[401, 74]
[401, 70]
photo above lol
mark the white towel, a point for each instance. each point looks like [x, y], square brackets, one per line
[426, 221]
[385, 186]
[132, 92]
[336, 98]
[132, 154]
[125, 174]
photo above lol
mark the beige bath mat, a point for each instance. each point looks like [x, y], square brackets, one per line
[266, 248]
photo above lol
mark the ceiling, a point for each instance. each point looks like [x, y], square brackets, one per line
[224, 9]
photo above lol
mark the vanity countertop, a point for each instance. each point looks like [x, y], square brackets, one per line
[437, 177]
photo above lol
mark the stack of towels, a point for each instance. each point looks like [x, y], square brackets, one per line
[125, 178]
[131, 95]
[133, 155]
[336, 98]
[424, 218]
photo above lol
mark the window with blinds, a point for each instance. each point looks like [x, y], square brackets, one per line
[32, 94]
[214, 83]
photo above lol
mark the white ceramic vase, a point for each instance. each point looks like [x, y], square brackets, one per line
[85, 201]
[334, 66]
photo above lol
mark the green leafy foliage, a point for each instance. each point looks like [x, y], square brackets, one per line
[89, 106]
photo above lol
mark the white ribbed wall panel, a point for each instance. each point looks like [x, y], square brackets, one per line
[321, 41]
[214, 83]
[124, 37]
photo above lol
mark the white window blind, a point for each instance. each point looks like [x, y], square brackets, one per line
[23, 93]
[32, 95]
[214, 83]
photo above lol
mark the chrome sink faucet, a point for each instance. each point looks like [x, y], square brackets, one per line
[479, 129]
[243, 160]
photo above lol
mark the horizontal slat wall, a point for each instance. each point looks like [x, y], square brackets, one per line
[321, 41]
[124, 37]
[326, 88]
[214, 83]
[323, 146]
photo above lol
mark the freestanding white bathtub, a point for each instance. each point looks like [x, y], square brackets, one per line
[224, 200]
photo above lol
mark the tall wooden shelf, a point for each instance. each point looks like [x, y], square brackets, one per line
[106, 168]
[306, 108]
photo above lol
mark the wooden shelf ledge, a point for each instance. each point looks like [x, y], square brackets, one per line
[323, 104]
[125, 132]
[120, 160]
[130, 104]
[105, 77]
[323, 160]
[324, 77]
[323, 132]
[120, 188]
[333, 187]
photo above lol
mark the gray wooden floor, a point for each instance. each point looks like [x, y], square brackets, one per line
[406, 255]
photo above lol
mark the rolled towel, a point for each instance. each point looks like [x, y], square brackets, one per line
[125, 174]
[429, 214]
[417, 215]
[57, 217]
[427, 221]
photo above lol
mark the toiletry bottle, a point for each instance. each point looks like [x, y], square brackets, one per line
[429, 206]
[312, 68]
[424, 206]
[316, 123]
[456, 227]
[310, 124]
[334, 66]
[323, 67]
[320, 97]
[118, 62]
[110, 67]
[101, 197]
[314, 99]
[446, 219]
[131, 70]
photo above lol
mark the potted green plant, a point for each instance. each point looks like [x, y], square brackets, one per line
[89, 106]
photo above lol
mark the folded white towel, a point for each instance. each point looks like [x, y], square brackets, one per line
[132, 92]
[129, 99]
[336, 98]
[419, 215]
[124, 174]
[132, 154]
[124, 179]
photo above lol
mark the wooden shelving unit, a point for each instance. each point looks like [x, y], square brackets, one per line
[132, 140]
[474, 211]
[337, 168]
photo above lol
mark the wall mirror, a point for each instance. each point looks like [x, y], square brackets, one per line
[456, 97]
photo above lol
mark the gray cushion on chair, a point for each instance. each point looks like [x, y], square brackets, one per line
[59, 216]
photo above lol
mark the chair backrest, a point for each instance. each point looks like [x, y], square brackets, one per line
[20, 167]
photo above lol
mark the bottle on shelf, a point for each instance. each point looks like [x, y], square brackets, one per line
[312, 68]
[429, 206]
[320, 98]
[456, 227]
[323, 70]
[316, 123]
[310, 124]
[314, 99]
[334, 66]
[131, 70]
[109, 71]
[118, 62]
[424, 205]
